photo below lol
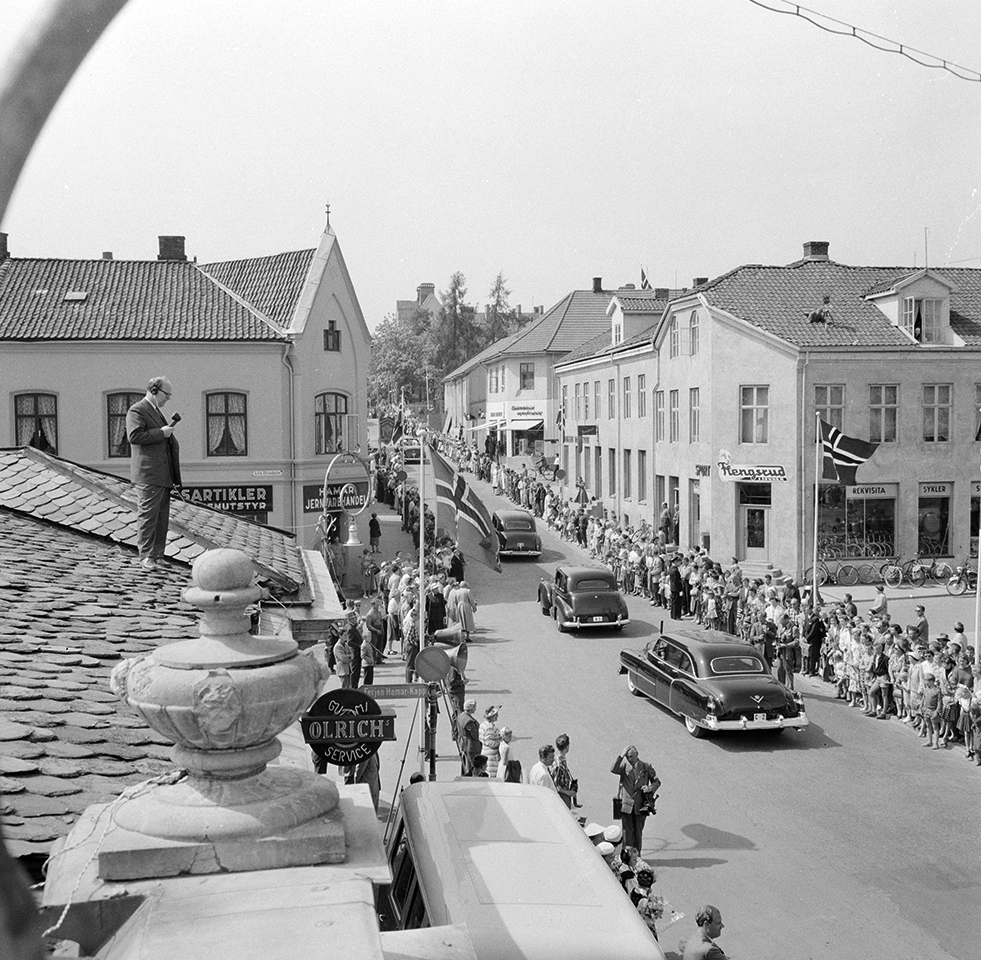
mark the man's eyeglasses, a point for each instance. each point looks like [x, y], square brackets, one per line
[165, 393]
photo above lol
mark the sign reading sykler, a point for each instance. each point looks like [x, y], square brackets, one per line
[750, 472]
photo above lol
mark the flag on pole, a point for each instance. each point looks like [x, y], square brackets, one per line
[463, 514]
[560, 421]
[399, 430]
[843, 455]
[645, 284]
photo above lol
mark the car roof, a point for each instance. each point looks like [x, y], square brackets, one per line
[579, 573]
[710, 643]
[515, 514]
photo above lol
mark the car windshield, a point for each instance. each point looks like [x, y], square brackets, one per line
[594, 583]
[518, 525]
[746, 663]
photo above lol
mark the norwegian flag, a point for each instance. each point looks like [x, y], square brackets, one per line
[843, 455]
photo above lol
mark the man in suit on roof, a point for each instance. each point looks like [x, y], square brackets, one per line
[154, 468]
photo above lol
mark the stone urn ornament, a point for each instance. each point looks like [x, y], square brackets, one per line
[223, 698]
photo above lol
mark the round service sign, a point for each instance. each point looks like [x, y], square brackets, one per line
[345, 727]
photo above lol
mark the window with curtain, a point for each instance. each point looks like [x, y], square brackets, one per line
[227, 426]
[117, 405]
[330, 409]
[36, 421]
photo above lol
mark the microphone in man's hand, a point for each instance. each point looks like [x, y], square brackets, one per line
[175, 419]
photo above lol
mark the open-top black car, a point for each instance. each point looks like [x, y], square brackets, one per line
[583, 597]
[517, 534]
[713, 682]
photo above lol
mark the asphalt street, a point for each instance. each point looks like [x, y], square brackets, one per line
[845, 840]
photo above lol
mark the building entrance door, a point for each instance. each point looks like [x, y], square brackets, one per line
[754, 522]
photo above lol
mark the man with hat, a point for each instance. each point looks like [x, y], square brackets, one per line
[595, 833]
[638, 784]
[468, 737]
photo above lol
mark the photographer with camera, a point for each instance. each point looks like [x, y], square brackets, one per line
[636, 796]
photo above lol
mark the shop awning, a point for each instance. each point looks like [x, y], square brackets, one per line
[524, 424]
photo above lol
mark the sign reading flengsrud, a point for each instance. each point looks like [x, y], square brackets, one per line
[750, 472]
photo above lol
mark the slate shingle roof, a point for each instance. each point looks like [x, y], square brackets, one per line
[270, 284]
[778, 300]
[125, 300]
[71, 607]
[38, 485]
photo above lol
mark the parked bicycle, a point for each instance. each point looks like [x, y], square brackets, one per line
[938, 569]
[896, 572]
[965, 579]
[549, 469]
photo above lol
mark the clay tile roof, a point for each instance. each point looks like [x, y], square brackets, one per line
[270, 284]
[124, 300]
[38, 485]
[71, 607]
[779, 299]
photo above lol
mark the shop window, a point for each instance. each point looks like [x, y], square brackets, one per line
[975, 518]
[641, 396]
[659, 415]
[626, 398]
[934, 524]
[829, 402]
[694, 415]
[527, 374]
[857, 522]
[936, 412]
[227, 425]
[674, 422]
[883, 413]
[330, 411]
[117, 406]
[36, 421]
[754, 410]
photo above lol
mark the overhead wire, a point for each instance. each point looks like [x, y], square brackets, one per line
[868, 37]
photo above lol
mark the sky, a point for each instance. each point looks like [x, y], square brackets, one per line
[555, 142]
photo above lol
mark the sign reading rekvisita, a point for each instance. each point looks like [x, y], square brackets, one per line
[750, 472]
[345, 727]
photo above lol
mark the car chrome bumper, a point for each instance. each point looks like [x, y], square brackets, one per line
[746, 724]
[577, 624]
[519, 553]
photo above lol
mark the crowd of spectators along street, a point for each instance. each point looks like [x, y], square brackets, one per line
[882, 668]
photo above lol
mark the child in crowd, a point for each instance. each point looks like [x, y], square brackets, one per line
[930, 711]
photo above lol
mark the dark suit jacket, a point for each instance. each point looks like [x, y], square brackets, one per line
[702, 947]
[634, 779]
[155, 458]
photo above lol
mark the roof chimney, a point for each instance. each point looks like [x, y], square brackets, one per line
[816, 250]
[423, 291]
[106, 254]
[699, 281]
[4, 253]
[171, 248]
[662, 293]
[597, 284]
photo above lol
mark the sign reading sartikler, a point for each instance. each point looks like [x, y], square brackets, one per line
[345, 727]
[248, 498]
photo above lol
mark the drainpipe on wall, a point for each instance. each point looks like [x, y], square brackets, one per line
[803, 486]
[291, 375]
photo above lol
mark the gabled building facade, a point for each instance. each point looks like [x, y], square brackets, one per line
[268, 356]
[507, 393]
[736, 373]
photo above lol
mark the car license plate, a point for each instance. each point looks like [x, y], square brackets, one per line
[759, 716]
[598, 619]
[519, 546]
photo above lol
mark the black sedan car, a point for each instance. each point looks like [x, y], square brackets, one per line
[517, 534]
[583, 597]
[713, 682]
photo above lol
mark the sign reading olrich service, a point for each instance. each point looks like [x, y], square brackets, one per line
[345, 727]
[231, 499]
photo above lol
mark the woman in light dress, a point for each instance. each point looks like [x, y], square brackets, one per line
[490, 738]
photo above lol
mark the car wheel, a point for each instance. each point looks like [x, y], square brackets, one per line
[555, 616]
[544, 603]
[632, 687]
[693, 728]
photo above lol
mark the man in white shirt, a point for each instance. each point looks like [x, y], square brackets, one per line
[539, 776]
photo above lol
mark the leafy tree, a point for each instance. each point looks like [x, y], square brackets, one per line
[501, 319]
[398, 359]
[455, 335]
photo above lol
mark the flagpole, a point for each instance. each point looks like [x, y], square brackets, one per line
[817, 477]
[422, 435]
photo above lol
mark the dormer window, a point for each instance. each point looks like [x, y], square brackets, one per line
[923, 319]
